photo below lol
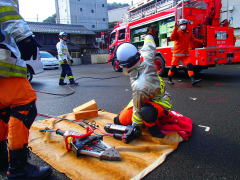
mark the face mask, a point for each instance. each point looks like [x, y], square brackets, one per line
[183, 27]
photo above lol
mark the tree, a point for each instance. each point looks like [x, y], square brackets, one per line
[116, 5]
[51, 19]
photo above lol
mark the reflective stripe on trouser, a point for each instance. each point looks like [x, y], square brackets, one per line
[9, 13]
[66, 71]
[125, 116]
[18, 96]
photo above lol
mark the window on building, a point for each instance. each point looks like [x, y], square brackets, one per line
[104, 19]
[103, 5]
[93, 26]
[121, 34]
[81, 9]
[92, 11]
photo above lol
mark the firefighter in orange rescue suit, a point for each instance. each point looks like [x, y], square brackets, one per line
[182, 38]
[17, 98]
[149, 97]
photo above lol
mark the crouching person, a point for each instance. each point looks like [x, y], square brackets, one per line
[149, 97]
[150, 104]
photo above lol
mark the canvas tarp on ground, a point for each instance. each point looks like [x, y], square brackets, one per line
[139, 157]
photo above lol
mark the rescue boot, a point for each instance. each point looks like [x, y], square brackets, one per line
[72, 81]
[62, 83]
[20, 169]
[195, 81]
[170, 80]
[3, 156]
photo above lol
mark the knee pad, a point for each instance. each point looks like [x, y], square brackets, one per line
[148, 113]
[190, 67]
[5, 115]
[173, 68]
[26, 119]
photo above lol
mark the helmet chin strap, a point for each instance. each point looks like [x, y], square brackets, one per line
[128, 70]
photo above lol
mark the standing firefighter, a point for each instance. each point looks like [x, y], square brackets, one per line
[182, 38]
[149, 98]
[17, 98]
[64, 58]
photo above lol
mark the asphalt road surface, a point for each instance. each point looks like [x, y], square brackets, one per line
[212, 152]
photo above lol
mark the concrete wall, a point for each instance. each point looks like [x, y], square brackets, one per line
[116, 15]
[231, 11]
[95, 59]
[99, 58]
[90, 13]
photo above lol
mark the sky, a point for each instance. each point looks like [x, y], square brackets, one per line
[38, 10]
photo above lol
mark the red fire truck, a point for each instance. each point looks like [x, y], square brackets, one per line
[204, 18]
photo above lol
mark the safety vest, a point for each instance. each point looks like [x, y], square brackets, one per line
[13, 29]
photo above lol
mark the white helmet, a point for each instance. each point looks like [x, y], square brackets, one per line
[182, 21]
[127, 55]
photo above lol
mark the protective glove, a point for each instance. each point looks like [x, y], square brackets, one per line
[28, 48]
[71, 61]
[155, 132]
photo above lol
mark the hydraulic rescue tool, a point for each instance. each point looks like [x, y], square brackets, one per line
[87, 144]
[124, 133]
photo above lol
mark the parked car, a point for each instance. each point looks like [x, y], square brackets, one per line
[33, 67]
[48, 60]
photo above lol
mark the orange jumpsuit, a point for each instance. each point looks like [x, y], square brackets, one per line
[182, 41]
[15, 92]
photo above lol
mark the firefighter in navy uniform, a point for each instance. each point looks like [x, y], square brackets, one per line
[64, 59]
[17, 98]
[150, 100]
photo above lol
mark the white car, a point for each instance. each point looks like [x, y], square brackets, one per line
[48, 60]
[33, 67]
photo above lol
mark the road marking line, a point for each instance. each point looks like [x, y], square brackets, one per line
[192, 98]
[206, 127]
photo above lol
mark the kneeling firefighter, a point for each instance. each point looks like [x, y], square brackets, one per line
[17, 97]
[149, 97]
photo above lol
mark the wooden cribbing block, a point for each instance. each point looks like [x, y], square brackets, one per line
[85, 114]
[90, 105]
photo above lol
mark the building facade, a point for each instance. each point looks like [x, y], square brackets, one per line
[231, 11]
[117, 15]
[90, 13]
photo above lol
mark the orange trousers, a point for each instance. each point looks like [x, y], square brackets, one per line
[175, 62]
[125, 116]
[15, 94]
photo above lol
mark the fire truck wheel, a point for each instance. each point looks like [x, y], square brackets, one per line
[160, 65]
[116, 67]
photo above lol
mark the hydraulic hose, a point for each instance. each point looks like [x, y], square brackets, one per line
[73, 90]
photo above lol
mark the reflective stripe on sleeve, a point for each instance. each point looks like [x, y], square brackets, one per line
[8, 13]
[136, 119]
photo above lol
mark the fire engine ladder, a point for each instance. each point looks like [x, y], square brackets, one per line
[154, 8]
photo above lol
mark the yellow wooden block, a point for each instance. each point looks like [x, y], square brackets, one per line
[90, 105]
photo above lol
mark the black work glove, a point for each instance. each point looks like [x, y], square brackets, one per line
[28, 48]
[155, 132]
[71, 61]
